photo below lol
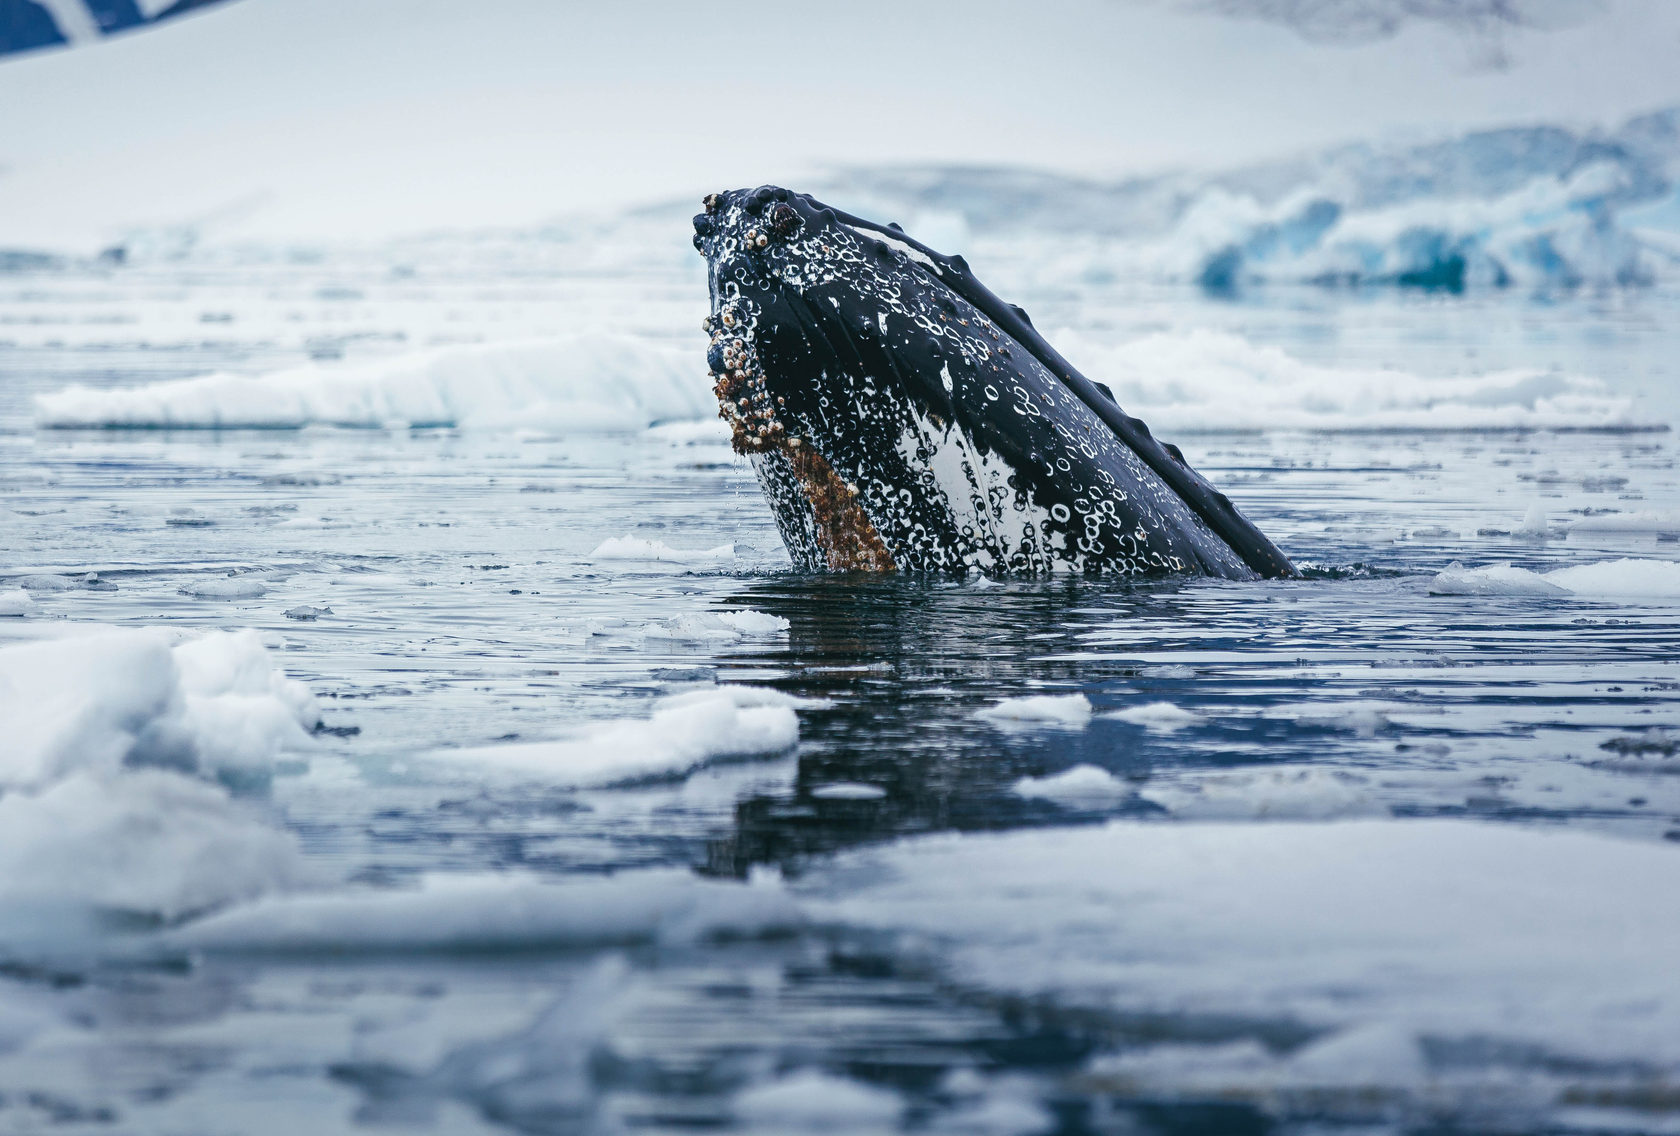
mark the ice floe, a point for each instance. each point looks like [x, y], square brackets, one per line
[813, 1101]
[1207, 380]
[216, 705]
[1538, 949]
[587, 382]
[1081, 786]
[1066, 711]
[1610, 579]
[1638, 521]
[225, 588]
[1279, 793]
[16, 602]
[476, 911]
[683, 733]
[640, 549]
[1157, 717]
[113, 741]
[718, 626]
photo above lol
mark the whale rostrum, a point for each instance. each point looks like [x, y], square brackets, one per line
[901, 416]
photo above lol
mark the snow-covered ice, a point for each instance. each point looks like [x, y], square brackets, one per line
[591, 381]
[104, 810]
[1066, 711]
[682, 733]
[215, 704]
[1514, 941]
[641, 549]
[1083, 785]
[500, 911]
[1279, 793]
[1160, 717]
[1627, 578]
[813, 1101]
[16, 602]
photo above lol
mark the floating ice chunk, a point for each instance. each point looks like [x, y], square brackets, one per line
[683, 733]
[1641, 521]
[311, 523]
[17, 602]
[720, 626]
[1534, 522]
[239, 708]
[1617, 578]
[1440, 930]
[576, 384]
[1082, 785]
[306, 613]
[148, 843]
[225, 588]
[46, 582]
[216, 705]
[1607, 579]
[848, 791]
[817, 1102]
[1067, 711]
[1157, 717]
[1497, 580]
[1294, 793]
[750, 622]
[495, 911]
[635, 548]
[704, 627]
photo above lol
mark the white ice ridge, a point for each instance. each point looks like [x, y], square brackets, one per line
[112, 739]
[1606, 579]
[684, 733]
[1204, 380]
[488, 911]
[586, 382]
[1520, 939]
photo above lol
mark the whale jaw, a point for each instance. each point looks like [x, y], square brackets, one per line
[895, 424]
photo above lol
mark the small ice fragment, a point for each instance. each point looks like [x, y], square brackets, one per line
[848, 791]
[1294, 793]
[1065, 711]
[1495, 580]
[225, 588]
[306, 613]
[17, 602]
[1157, 717]
[811, 1101]
[1081, 785]
[45, 582]
[639, 548]
[1534, 522]
[750, 622]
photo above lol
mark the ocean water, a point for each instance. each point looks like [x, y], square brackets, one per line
[547, 840]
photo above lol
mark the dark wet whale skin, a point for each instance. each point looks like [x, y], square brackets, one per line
[899, 415]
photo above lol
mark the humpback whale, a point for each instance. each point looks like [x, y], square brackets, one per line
[900, 416]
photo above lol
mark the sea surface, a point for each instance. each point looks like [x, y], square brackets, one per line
[444, 588]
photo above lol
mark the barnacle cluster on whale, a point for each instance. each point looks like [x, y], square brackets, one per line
[900, 416]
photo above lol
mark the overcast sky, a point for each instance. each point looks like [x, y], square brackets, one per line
[360, 118]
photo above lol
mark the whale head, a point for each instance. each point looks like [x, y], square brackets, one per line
[900, 416]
